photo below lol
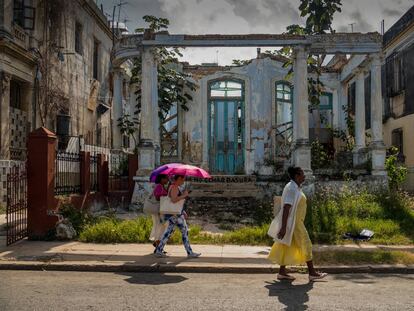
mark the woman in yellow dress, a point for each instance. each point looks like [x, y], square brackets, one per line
[293, 248]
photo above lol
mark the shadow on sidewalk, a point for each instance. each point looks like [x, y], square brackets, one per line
[294, 297]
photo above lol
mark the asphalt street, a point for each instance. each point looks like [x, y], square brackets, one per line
[44, 290]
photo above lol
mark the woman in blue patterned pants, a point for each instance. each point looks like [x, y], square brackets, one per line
[176, 220]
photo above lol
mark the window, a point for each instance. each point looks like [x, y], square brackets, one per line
[395, 74]
[226, 89]
[397, 141]
[23, 14]
[78, 38]
[15, 94]
[95, 60]
[284, 99]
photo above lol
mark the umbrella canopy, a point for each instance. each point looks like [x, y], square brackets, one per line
[179, 169]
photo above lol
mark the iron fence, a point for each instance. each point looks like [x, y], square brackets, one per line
[118, 171]
[67, 173]
[16, 209]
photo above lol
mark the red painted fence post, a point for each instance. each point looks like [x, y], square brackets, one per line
[41, 156]
[85, 172]
[103, 174]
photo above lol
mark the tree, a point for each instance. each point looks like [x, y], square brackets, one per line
[319, 16]
[172, 83]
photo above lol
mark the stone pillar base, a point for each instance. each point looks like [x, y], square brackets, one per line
[360, 156]
[301, 157]
[142, 189]
[378, 153]
[146, 158]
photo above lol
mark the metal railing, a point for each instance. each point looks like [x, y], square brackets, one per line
[16, 210]
[284, 137]
[118, 171]
[67, 173]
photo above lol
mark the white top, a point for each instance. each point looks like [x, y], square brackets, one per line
[291, 195]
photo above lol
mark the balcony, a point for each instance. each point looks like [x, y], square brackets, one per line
[21, 37]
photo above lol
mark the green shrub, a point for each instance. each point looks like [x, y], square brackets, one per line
[397, 172]
[2, 209]
[78, 218]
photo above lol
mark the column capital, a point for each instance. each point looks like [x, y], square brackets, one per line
[376, 58]
[300, 51]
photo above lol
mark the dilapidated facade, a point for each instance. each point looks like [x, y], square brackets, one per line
[240, 117]
[55, 59]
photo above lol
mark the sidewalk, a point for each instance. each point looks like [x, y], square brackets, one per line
[77, 256]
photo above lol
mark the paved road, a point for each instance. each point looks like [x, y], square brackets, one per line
[31, 290]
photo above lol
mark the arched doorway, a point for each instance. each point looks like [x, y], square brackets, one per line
[226, 126]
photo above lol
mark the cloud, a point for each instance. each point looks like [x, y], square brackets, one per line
[392, 12]
[360, 22]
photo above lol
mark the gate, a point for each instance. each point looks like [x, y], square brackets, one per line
[16, 210]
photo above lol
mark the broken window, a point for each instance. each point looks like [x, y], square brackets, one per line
[78, 38]
[351, 99]
[23, 14]
[284, 124]
[169, 134]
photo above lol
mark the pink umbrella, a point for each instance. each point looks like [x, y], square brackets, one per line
[179, 169]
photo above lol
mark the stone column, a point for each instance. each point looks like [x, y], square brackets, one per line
[360, 152]
[117, 109]
[5, 116]
[378, 150]
[148, 147]
[301, 147]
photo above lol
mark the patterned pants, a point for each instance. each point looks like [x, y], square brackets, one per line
[180, 222]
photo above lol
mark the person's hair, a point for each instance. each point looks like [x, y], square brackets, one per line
[293, 171]
[160, 177]
[176, 177]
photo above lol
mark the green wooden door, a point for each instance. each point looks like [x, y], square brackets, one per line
[226, 141]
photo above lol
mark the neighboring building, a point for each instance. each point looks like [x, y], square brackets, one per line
[399, 90]
[55, 70]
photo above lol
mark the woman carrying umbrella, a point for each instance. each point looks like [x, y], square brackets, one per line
[176, 195]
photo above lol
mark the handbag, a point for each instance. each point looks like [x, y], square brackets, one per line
[274, 228]
[169, 207]
[151, 206]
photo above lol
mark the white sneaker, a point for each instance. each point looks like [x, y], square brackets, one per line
[317, 277]
[160, 255]
[193, 255]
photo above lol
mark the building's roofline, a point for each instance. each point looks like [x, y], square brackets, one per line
[91, 7]
[395, 30]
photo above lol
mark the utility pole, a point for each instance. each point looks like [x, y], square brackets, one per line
[352, 26]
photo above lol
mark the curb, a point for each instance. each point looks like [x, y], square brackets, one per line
[40, 266]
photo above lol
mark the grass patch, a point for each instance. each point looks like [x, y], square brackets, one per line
[109, 230]
[363, 257]
[390, 215]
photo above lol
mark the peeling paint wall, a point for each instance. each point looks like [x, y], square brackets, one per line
[259, 79]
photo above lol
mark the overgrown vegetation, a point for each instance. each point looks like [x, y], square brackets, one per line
[174, 86]
[389, 214]
[2, 209]
[397, 172]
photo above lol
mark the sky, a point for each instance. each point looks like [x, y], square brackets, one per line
[248, 16]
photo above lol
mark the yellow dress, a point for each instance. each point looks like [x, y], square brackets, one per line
[300, 250]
